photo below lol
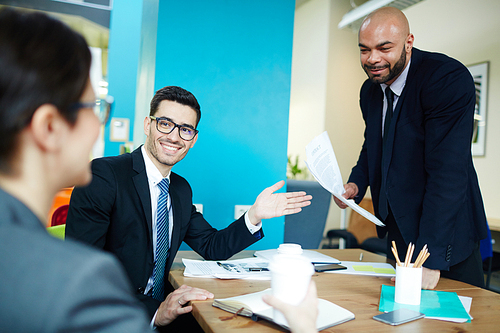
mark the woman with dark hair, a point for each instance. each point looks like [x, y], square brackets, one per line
[47, 130]
[43, 62]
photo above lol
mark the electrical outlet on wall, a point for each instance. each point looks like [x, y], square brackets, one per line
[240, 210]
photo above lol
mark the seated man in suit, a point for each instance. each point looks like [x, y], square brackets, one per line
[418, 109]
[47, 130]
[128, 211]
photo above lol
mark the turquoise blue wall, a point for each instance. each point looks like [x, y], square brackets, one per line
[235, 57]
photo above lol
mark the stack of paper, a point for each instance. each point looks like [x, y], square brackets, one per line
[313, 256]
[250, 268]
[322, 164]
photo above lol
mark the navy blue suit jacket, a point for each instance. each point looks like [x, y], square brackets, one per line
[114, 213]
[431, 183]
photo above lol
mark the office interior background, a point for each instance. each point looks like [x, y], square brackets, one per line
[270, 75]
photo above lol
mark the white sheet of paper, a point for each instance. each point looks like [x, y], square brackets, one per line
[229, 269]
[314, 256]
[322, 164]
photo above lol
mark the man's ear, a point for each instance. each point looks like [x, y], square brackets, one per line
[409, 43]
[147, 125]
[48, 127]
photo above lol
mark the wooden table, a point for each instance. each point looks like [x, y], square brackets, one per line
[358, 294]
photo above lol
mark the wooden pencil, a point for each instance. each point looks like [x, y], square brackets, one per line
[423, 260]
[412, 248]
[419, 257]
[407, 254]
[395, 252]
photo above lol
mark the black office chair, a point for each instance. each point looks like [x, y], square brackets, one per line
[360, 232]
[306, 228]
[490, 261]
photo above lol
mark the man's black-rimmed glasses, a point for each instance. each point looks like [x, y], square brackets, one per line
[166, 126]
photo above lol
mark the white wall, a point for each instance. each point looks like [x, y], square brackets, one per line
[309, 75]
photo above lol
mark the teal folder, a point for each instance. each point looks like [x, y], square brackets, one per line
[432, 303]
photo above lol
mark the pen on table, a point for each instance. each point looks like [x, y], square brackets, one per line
[224, 266]
[361, 257]
[258, 269]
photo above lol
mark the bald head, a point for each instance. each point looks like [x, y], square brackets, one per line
[385, 43]
[387, 18]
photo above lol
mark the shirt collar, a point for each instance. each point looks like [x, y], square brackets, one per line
[154, 175]
[398, 85]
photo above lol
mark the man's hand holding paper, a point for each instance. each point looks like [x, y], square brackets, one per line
[350, 191]
[322, 164]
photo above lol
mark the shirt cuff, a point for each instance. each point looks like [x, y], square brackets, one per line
[252, 228]
[152, 324]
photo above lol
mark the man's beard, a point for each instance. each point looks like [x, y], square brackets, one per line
[153, 150]
[393, 72]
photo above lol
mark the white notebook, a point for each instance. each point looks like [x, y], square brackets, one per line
[252, 305]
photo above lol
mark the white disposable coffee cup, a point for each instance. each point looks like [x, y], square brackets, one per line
[290, 248]
[290, 279]
[408, 285]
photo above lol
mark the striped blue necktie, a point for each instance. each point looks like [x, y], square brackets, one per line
[162, 241]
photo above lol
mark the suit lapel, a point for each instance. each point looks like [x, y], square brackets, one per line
[376, 130]
[142, 187]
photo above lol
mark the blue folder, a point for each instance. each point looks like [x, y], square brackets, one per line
[432, 303]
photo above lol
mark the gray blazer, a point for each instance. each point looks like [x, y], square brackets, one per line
[49, 285]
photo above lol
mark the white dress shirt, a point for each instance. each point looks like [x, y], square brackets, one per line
[154, 177]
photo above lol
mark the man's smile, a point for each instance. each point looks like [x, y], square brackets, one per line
[376, 69]
[169, 148]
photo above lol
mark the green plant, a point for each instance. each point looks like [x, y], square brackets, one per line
[293, 168]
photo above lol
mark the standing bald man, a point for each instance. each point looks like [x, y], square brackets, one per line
[418, 109]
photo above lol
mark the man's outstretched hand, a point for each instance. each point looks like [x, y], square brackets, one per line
[269, 204]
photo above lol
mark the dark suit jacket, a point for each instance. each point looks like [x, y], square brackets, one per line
[50, 285]
[114, 213]
[431, 183]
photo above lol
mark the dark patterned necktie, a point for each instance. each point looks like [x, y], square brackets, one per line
[388, 114]
[383, 205]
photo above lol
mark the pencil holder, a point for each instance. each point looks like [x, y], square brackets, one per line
[408, 285]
